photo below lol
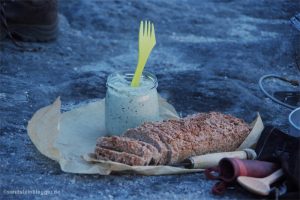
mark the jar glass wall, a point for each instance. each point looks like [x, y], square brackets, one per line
[128, 107]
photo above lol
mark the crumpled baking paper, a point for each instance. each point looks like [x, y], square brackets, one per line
[70, 137]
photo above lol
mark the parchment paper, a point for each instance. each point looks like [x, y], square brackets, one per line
[70, 137]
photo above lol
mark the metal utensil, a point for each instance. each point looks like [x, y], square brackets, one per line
[294, 120]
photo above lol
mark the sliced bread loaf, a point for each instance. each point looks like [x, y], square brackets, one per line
[175, 140]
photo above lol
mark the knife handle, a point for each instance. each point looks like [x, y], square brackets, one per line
[212, 159]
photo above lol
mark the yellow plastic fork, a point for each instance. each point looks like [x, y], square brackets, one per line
[146, 43]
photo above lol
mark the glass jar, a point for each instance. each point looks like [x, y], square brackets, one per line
[128, 107]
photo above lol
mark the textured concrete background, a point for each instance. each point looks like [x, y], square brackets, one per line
[209, 56]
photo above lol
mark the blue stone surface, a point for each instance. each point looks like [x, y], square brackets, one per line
[209, 57]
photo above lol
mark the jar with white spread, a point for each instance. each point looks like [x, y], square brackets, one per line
[128, 107]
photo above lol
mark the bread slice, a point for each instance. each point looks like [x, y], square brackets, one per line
[132, 146]
[146, 134]
[121, 157]
[172, 151]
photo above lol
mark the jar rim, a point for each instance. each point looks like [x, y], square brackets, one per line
[130, 74]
